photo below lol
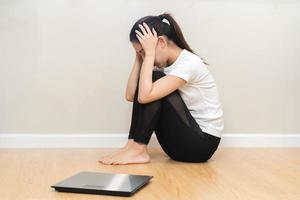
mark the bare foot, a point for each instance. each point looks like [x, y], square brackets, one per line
[136, 153]
[129, 143]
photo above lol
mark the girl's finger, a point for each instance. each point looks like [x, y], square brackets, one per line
[143, 29]
[147, 28]
[154, 32]
[139, 38]
[140, 34]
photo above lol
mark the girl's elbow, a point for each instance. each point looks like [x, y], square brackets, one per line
[129, 98]
[142, 99]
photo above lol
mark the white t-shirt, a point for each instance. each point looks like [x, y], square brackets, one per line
[200, 93]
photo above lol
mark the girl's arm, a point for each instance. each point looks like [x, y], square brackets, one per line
[150, 91]
[133, 78]
[145, 84]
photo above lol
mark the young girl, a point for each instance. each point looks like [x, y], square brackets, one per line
[173, 94]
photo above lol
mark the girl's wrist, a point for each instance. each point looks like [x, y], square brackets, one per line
[150, 54]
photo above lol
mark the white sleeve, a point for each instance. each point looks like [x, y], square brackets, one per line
[186, 72]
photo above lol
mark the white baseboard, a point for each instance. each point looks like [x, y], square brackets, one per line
[113, 140]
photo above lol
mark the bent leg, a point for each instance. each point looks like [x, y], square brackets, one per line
[144, 116]
[177, 131]
[183, 140]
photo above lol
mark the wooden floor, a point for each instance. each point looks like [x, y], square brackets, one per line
[232, 173]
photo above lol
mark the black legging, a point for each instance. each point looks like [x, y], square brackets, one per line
[176, 130]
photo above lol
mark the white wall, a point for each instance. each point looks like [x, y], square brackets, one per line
[64, 64]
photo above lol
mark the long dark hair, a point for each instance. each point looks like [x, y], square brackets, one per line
[171, 29]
